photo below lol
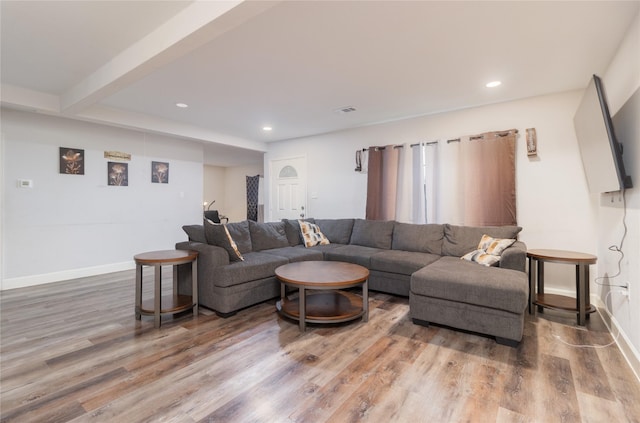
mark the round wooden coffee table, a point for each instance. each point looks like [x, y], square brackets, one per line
[328, 304]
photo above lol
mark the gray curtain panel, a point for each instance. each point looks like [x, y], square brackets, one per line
[382, 181]
[253, 185]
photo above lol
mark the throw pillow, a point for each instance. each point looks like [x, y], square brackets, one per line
[494, 246]
[217, 234]
[480, 257]
[311, 234]
[195, 233]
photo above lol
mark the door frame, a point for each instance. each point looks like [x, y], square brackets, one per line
[269, 186]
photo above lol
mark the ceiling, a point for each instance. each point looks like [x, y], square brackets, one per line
[243, 65]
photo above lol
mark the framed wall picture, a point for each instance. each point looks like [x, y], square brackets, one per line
[160, 172]
[532, 142]
[118, 174]
[71, 161]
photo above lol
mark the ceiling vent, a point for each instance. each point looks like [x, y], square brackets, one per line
[347, 109]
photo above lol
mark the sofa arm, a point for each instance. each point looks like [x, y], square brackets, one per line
[209, 256]
[514, 257]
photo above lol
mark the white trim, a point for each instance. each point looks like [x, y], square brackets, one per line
[629, 352]
[24, 281]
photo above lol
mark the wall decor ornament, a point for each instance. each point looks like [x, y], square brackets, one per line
[71, 161]
[118, 174]
[532, 142]
[160, 172]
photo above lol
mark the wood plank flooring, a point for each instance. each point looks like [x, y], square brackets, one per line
[73, 352]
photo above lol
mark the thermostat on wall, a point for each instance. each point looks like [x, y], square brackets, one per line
[25, 183]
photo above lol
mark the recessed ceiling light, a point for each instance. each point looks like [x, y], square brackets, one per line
[182, 105]
[493, 84]
[267, 128]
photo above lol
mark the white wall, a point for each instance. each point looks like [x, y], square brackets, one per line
[235, 198]
[70, 226]
[550, 188]
[621, 80]
[214, 187]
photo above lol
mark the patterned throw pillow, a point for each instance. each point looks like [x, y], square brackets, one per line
[480, 257]
[218, 234]
[311, 234]
[494, 246]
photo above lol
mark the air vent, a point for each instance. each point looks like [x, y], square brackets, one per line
[347, 109]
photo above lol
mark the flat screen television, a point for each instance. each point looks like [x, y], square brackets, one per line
[600, 150]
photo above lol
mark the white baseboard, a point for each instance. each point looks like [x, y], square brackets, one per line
[24, 281]
[629, 352]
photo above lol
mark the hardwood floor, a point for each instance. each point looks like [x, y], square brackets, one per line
[72, 351]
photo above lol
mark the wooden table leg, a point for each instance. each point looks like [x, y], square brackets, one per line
[540, 281]
[302, 300]
[532, 287]
[157, 294]
[365, 301]
[580, 294]
[138, 303]
[194, 286]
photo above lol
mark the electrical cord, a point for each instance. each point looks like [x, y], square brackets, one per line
[615, 340]
[617, 249]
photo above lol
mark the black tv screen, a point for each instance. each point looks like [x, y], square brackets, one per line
[601, 153]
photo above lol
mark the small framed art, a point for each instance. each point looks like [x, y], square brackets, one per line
[71, 161]
[160, 172]
[118, 174]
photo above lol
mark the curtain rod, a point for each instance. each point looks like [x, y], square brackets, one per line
[382, 148]
[424, 143]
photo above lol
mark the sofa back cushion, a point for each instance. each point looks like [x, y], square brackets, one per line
[292, 230]
[239, 231]
[217, 234]
[265, 236]
[460, 240]
[425, 238]
[337, 231]
[373, 233]
[195, 233]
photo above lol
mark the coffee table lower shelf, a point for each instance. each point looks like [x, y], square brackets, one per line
[324, 307]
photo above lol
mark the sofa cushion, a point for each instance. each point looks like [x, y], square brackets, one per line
[373, 233]
[461, 281]
[256, 265]
[352, 254]
[297, 253]
[218, 235]
[459, 240]
[265, 236]
[402, 262]
[240, 233]
[425, 238]
[311, 234]
[195, 233]
[336, 230]
[292, 230]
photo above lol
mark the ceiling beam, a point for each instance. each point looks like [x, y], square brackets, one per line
[194, 26]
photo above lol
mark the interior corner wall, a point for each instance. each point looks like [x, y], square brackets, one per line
[621, 80]
[214, 188]
[69, 226]
[553, 203]
[235, 199]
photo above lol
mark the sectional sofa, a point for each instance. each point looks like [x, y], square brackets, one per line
[422, 262]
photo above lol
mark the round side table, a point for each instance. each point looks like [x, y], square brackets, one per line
[579, 305]
[169, 304]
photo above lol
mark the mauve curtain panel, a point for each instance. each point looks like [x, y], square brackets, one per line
[490, 179]
[382, 180]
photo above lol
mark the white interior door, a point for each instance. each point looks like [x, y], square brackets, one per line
[288, 188]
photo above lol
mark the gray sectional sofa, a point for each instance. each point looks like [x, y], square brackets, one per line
[419, 261]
